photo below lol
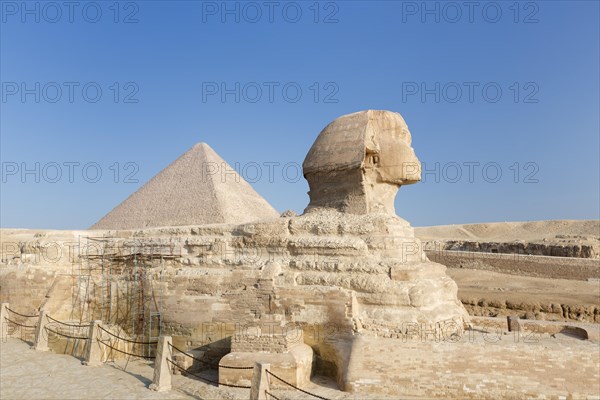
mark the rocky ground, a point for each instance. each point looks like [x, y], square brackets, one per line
[486, 293]
[565, 238]
[562, 364]
[497, 286]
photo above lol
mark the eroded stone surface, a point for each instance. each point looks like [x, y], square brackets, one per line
[359, 161]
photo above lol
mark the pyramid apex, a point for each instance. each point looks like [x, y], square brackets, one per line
[201, 145]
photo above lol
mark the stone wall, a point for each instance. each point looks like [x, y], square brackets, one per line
[533, 310]
[271, 339]
[520, 264]
[25, 287]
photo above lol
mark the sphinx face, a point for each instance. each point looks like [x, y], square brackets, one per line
[390, 154]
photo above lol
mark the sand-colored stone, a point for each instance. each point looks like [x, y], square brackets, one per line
[283, 350]
[359, 161]
[378, 315]
[60, 377]
[161, 381]
[491, 294]
[556, 238]
[197, 188]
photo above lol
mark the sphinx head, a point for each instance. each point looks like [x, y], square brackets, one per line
[359, 161]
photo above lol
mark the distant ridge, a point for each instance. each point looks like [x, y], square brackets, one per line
[511, 231]
[197, 188]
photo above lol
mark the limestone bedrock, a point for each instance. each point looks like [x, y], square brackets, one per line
[359, 161]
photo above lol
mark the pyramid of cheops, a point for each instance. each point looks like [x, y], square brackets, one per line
[197, 188]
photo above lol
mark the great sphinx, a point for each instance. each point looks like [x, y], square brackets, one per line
[349, 259]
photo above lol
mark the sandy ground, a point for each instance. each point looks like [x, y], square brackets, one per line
[29, 374]
[511, 231]
[526, 291]
[478, 284]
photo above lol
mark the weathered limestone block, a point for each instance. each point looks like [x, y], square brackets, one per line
[294, 366]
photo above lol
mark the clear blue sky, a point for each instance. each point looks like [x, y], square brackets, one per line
[172, 56]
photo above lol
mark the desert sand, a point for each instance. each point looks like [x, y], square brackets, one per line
[510, 231]
[487, 290]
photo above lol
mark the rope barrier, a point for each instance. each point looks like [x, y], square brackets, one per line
[18, 324]
[66, 324]
[206, 362]
[126, 340]
[206, 379]
[296, 387]
[23, 315]
[124, 352]
[192, 357]
[67, 336]
[231, 367]
[272, 395]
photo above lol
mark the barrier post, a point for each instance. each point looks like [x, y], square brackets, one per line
[162, 370]
[93, 356]
[3, 321]
[41, 336]
[513, 323]
[260, 381]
